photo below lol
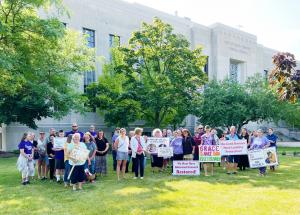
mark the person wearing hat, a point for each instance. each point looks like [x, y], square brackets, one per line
[43, 158]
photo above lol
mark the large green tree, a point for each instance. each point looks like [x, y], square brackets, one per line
[156, 78]
[226, 103]
[40, 64]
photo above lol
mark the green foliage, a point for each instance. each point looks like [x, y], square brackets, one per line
[155, 78]
[40, 62]
[228, 103]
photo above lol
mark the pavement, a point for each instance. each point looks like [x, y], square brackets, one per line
[288, 144]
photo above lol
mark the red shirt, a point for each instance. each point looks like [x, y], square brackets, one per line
[197, 139]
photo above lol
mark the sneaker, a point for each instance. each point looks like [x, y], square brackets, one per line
[27, 182]
[142, 178]
[74, 188]
[24, 183]
[134, 177]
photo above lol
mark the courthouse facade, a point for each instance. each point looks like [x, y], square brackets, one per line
[231, 52]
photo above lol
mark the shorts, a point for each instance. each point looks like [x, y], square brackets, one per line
[78, 174]
[122, 155]
[59, 164]
[233, 158]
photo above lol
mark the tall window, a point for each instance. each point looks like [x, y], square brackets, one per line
[206, 66]
[233, 73]
[266, 74]
[114, 41]
[90, 37]
[89, 76]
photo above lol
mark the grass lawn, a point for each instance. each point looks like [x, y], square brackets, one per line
[245, 193]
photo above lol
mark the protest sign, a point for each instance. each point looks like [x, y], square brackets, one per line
[209, 153]
[153, 143]
[186, 167]
[262, 157]
[233, 147]
[165, 151]
[59, 142]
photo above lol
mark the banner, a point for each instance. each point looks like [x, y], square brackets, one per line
[233, 147]
[153, 143]
[209, 153]
[262, 157]
[186, 168]
[59, 142]
[165, 151]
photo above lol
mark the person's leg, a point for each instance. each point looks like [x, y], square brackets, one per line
[132, 164]
[67, 170]
[212, 168]
[39, 167]
[114, 154]
[52, 168]
[142, 165]
[118, 168]
[205, 169]
[136, 166]
[124, 168]
[128, 162]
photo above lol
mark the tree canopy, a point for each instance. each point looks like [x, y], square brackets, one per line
[41, 63]
[226, 103]
[156, 78]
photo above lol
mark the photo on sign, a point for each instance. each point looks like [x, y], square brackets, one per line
[263, 157]
[165, 152]
[154, 143]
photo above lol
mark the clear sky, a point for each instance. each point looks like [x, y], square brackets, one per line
[276, 23]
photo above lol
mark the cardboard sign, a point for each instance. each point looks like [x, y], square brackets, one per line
[186, 167]
[153, 143]
[59, 142]
[79, 154]
[233, 147]
[209, 153]
[262, 157]
[165, 152]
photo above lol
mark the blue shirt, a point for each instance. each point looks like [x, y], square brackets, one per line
[177, 146]
[235, 137]
[273, 138]
[72, 132]
[27, 146]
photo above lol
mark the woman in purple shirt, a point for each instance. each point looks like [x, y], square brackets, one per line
[260, 142]
[176, 143]
[207, 139]
[25, 160]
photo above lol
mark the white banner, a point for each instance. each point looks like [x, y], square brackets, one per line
[153, 143]
[233, 147]
[59, 142]
[262, 157]
[165, 151]
[186, 167]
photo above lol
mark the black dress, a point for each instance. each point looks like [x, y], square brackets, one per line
[243, 161]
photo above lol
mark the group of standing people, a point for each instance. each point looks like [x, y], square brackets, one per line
[57, 163]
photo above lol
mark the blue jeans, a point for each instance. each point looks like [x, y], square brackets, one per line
[67, 171]
[91, 167]
[262, 170]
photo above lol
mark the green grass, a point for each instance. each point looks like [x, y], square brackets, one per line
[245, 193]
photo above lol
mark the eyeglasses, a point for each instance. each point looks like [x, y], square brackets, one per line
[74, 126]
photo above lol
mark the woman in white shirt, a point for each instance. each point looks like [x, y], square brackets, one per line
[138, 147]
[121, 144]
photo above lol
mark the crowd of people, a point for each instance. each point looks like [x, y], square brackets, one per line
[57, 164]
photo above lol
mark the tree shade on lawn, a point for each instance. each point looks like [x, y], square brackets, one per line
[245, 193]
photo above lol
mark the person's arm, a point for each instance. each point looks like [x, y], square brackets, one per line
[107, 147]
[116, 144]
[193, 145]
[94, 153]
